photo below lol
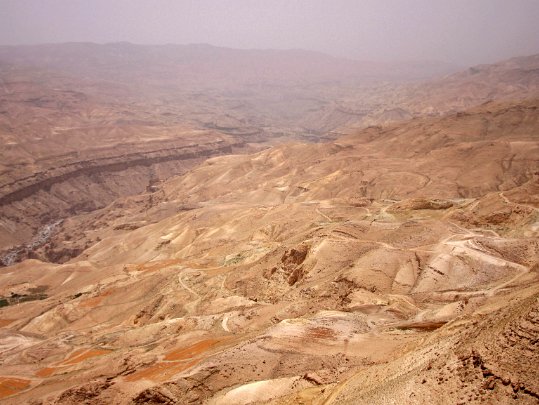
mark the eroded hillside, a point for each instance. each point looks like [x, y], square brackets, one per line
[84, 124]
[395, 264]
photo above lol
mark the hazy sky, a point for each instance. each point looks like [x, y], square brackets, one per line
[458, 31]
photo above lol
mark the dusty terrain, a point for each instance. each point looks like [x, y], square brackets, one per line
[397, 263]
[83, 124]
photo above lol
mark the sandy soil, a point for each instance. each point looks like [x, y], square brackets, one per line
[397, 264]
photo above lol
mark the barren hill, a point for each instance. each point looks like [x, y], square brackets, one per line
[394, 264]
[83, 124]
[513, 79]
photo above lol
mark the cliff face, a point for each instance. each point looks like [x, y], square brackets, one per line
[46, 197]
[76, 153]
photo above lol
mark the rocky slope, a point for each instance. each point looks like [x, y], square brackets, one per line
[394, 264]
[76, 182]
[513, 79]
[84, 124]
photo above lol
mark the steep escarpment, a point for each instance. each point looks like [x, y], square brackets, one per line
[45, 197]
[41, 181]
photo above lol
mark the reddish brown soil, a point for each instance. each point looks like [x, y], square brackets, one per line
[46, 372]
[6, 322]
[82, 354]
[11, 386]
[192, 351]
[161, 371]
[94, 302]
[320, 332]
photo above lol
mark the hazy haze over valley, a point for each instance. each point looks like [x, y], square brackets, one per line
[284, 202]
[459, 32]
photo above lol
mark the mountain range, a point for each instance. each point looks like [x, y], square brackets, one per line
[246, 230]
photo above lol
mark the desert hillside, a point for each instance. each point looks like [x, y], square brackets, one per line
[83, 124]
[397, 263]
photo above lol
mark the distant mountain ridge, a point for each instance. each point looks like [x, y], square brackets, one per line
[212, 62]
